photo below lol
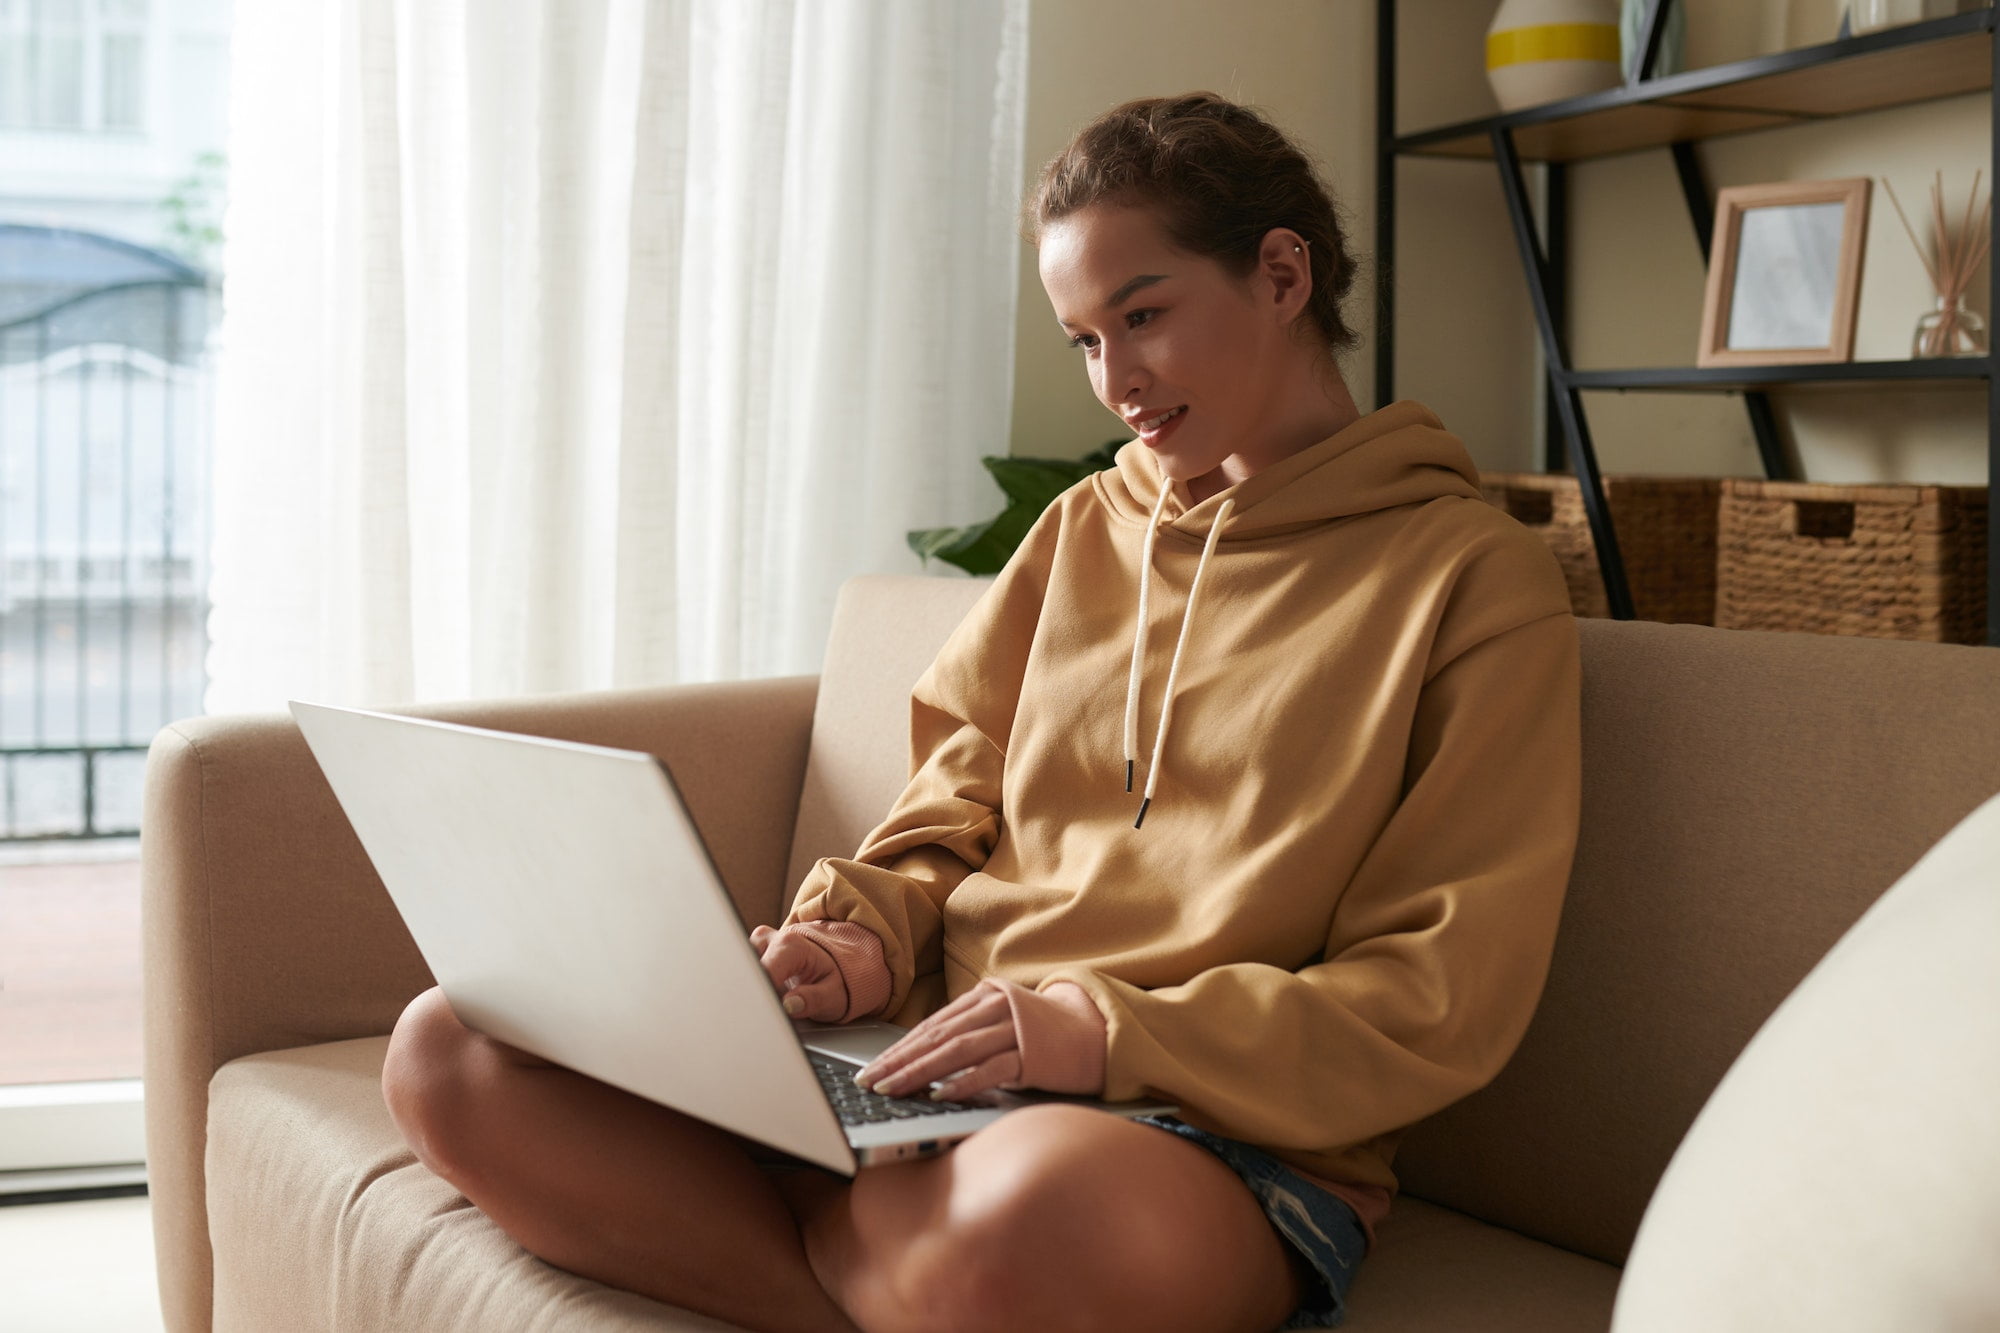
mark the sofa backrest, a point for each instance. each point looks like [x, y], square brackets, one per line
[1746, 797]
[886, 630]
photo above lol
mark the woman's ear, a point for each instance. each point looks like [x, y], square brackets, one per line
[1284, 260]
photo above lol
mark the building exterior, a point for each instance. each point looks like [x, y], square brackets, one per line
[107, 107]
[113, 115]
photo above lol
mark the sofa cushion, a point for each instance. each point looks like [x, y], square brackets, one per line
[1438, 1271]
[323, 1219]
[1846, 1173]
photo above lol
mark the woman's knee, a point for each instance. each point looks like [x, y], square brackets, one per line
[424, 1078]
[1063, 1218]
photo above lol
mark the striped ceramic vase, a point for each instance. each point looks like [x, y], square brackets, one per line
[1545, 50]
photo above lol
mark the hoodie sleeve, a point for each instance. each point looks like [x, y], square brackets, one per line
[1438, 948]
[946, 822]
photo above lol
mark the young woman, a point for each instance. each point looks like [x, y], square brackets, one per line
[1251, 784]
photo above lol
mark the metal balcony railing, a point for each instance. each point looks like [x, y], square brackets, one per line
[104, 446]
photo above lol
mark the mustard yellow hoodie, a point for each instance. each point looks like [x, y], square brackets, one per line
[1337, 914]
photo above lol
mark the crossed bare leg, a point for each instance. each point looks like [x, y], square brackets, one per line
[1054, 1217]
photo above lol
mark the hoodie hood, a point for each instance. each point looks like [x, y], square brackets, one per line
[1399, 455]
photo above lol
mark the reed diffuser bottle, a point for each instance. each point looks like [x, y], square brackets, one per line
[1953, 329]
[1950, 328]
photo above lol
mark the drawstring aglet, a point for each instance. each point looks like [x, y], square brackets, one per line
[1142, 812]
[1128, 775]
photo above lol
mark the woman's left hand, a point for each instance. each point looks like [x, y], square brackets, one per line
[973, 1034]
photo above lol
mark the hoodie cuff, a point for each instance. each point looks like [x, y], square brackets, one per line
[857, 955]
[1061, 1037]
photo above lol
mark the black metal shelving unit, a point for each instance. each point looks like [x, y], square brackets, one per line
[1918, 62]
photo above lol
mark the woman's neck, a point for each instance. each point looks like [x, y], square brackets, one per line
[1326, 411]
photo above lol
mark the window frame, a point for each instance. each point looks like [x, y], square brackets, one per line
[25, 35]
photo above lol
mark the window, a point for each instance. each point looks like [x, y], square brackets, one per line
[103, 565]
[73, 64]
[122, 44]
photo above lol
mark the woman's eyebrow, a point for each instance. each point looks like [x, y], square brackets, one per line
[1118, 297]
[1143, 280]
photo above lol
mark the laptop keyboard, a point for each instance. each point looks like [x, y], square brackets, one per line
[855, 1107]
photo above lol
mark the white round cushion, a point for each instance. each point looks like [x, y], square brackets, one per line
[1845, 1174]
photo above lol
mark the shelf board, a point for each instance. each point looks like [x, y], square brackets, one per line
[1944, 370]
[1917, 62]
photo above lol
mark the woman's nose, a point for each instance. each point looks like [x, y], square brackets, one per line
[1124, 375]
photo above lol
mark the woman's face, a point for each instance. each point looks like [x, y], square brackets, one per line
[1162, 331]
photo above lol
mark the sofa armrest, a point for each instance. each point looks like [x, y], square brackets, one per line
[264, 925]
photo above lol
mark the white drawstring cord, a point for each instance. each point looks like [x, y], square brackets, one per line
[1173, 671]
[1139, 636]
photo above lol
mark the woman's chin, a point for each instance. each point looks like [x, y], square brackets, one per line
[1183, 469]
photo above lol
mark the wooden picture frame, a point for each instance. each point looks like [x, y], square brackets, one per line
[1784, 270]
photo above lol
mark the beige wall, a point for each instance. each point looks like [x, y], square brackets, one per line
[1465, 334]
[1465, 338]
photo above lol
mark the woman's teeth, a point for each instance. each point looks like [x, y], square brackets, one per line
[1162, 419]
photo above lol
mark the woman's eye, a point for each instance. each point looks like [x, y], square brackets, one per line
[1133, 319]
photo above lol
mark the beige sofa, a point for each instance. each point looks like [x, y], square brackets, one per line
[1746, 797]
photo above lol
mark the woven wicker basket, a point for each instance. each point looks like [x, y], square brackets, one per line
[1886, 562]
[1666, 534]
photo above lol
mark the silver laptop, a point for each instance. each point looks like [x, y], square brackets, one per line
[567, 906]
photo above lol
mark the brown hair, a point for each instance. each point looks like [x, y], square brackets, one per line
[1219, 175]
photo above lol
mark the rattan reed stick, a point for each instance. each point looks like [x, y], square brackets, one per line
[1965, 231]
[1971, 251]
[1929, 268]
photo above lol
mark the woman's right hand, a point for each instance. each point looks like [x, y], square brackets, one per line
[803, 972]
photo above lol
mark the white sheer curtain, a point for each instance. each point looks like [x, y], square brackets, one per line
[579, 343]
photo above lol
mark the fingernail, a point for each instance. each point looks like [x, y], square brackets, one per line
[795, 1004]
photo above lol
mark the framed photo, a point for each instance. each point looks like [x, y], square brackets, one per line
[1783, 273]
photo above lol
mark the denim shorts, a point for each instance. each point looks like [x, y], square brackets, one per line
[1318, 1224]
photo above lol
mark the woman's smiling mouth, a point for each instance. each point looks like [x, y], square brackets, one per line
[1151, 429]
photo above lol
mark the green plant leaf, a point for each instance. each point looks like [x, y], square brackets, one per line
[1031, 485]
[981, 548]
[1035, 481]
[928, 542]
[1104, 455]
